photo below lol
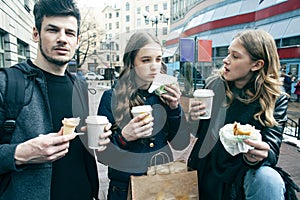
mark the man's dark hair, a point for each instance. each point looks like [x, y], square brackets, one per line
[50, 8]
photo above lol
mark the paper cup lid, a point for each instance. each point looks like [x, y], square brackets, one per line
[203, 93]
[96, 119]
[144, 108]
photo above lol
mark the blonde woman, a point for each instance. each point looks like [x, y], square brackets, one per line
[248, 90]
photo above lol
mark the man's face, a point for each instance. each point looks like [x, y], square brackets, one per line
[58, 39]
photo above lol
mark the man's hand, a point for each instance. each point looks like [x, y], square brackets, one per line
[42, 149]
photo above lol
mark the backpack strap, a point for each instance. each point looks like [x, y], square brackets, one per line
[14, 100]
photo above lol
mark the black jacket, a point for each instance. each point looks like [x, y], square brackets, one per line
[217, 169]
[128, 158]
[33, 181]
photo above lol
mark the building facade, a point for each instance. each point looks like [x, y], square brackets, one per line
[220, 20]
[119, 22]
[16, 23]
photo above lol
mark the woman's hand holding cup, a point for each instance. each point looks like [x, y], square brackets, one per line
[140, 126]
[197, 109]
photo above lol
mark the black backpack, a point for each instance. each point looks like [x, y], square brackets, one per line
[14, 101]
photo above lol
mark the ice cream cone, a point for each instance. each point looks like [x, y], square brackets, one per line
[70, 125]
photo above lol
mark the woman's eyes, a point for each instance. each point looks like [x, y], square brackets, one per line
[232, 55]
[145, 60]
[149, 60]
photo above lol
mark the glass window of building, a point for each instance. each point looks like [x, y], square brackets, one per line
[221, 51]
[117, 25]
[127, 18]
[109, 26]
[147, 8]
[26, 5]
[127, 6]
[155, 7]
[127, 29]
[109, 15]
[165, 6]
[291, 41]
[21, 51]
[138, 10]
[165, 30]
[138, 22]
[1, 50]
[112, 46]
[117, 14]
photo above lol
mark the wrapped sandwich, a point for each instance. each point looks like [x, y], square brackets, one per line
[232, 136]
[159, 82]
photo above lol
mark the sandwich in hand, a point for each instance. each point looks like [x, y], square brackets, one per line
[232, 137]
[159, 82]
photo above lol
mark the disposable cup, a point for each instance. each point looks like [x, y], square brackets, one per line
[95, 127]
[137, 110]
[206, 97]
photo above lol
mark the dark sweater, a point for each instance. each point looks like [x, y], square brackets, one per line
[70, 179]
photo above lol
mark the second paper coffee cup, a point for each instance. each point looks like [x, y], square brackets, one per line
[95, 127]
[206, 97]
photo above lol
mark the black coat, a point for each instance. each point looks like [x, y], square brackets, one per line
[217, 169]
[133, 158]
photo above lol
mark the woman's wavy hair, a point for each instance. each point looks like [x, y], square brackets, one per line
[267, 86]
[125, 94]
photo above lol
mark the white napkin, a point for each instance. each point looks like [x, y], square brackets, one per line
[161, 79]
[235, 144]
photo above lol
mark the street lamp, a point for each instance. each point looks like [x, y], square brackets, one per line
[155, 20]
[109, 43]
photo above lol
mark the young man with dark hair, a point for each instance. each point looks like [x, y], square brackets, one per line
[39, 162]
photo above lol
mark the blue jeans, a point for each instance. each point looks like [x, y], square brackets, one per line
[263, 183]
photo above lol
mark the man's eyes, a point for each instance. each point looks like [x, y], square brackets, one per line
[53, 30]
[71, 33]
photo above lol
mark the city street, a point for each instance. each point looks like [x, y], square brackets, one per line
[288, 159]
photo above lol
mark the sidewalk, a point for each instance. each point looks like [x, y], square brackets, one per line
[289, 158]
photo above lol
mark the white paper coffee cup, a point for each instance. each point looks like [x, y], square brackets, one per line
[137, 110]
[95, 127]
[206, 97]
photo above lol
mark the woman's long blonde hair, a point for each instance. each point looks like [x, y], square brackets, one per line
[267, 86]
[125, 94]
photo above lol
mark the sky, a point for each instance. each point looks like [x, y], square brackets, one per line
[96, 3]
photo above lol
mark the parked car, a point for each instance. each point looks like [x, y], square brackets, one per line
[93, 76]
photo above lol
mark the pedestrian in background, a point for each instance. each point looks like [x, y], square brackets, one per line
[297, 91]
[248, 91]
[136, 139]
[287, 83]
[40, 163]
